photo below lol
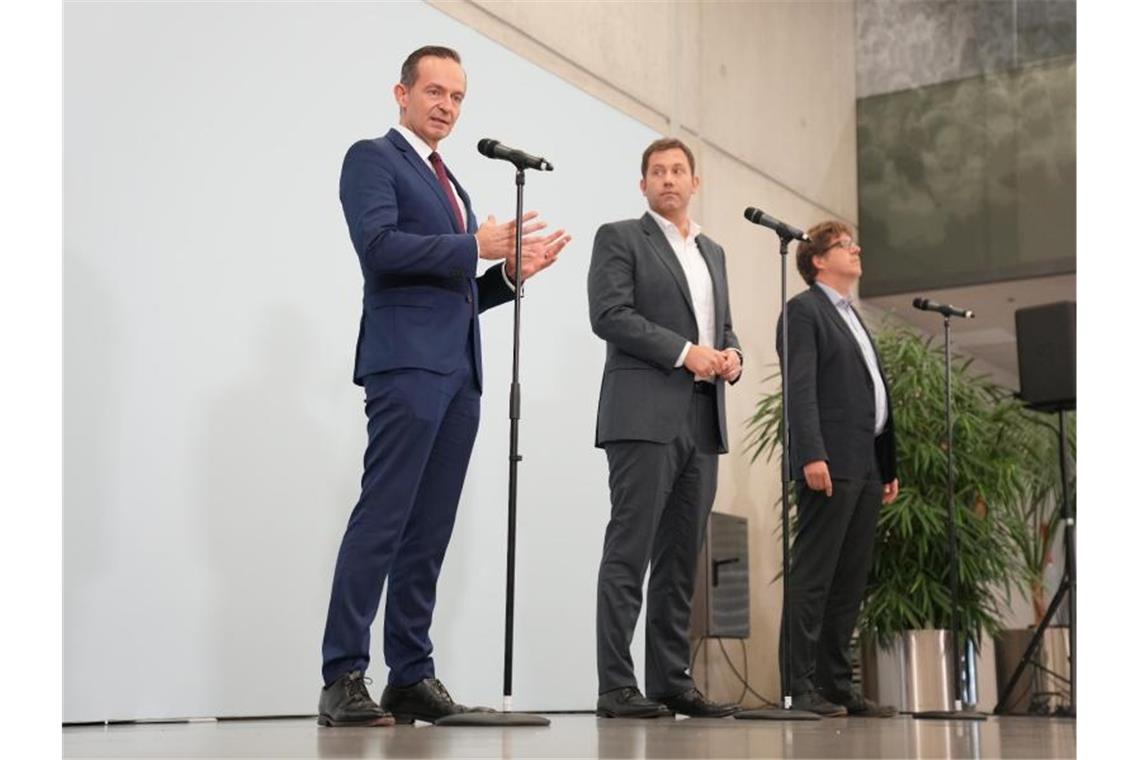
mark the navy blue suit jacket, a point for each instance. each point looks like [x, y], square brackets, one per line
[421, 295]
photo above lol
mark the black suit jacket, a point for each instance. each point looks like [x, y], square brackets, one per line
[641, 306]
[831, 400]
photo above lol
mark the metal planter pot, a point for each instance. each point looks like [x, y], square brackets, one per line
[1042, 688]
[916, 671]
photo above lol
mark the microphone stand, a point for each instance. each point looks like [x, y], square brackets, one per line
[957, 713]
[783, 711]
[506, 717]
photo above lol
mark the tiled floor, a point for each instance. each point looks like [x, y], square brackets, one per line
[584, 736]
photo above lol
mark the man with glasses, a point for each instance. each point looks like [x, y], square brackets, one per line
[842, 452]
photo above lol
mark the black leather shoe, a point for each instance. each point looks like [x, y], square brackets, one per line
[697, 705]
[627, 702]
[859, 706]
[813, 701]
[424, 700]
[346, 702]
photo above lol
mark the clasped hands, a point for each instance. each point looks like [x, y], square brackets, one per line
[497, 241]
[707, 362]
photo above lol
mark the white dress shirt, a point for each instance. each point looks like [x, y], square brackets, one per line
[698, 278]
[846, 309]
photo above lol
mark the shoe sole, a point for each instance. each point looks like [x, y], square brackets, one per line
[407, 720]
[639, 716]
[327, 722]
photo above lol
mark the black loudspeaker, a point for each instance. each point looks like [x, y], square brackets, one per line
[721, 604]
[1047, 355]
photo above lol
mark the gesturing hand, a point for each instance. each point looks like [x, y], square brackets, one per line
[497, 241]
[537, 254]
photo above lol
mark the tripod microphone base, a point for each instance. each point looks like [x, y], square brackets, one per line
[494, 719]
[949, 715]
[776, 713]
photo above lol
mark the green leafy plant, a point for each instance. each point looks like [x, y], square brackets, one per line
[998, 450]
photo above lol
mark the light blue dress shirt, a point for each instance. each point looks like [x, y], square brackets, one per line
[846, 310]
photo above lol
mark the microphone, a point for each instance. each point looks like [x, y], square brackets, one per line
[925, 304]
[495, 149]
[756, 216]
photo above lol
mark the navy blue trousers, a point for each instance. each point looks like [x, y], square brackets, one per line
[421, 429]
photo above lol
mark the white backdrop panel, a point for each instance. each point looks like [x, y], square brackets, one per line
[213, 438]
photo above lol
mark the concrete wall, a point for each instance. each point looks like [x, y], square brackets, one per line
[765, 95]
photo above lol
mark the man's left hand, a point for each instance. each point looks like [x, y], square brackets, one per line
[890, 491]
[732, 367]
[537, 255]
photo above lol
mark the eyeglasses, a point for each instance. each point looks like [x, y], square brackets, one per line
[847, 244]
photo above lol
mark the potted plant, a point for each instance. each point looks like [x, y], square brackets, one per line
[909, 586]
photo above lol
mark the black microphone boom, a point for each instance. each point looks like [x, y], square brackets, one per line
[495, 149]
[925, 304]
[756, 216]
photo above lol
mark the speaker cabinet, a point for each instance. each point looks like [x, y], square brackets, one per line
[1047, 355]
[721, 605]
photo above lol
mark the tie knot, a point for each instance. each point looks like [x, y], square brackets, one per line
[434, 158]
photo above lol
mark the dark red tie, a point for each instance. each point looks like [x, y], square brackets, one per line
[441, 175]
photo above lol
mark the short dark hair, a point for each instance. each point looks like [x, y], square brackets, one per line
[409, 72]
[666, 143]
[823, 237]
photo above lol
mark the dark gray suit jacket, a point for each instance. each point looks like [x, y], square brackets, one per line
[831, 400]
[641, 306]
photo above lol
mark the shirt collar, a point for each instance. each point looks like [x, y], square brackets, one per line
[839, 301]
[422, 149]
[671, 229]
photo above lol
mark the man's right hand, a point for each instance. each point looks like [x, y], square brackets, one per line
[818, 477]
[703, 361]
[497, 241]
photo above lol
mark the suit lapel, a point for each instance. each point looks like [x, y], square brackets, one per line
[425, 173]
[665, 252]
[465, 199]
[833, 313]
[718, 284]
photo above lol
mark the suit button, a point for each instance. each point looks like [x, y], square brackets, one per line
[468, 298]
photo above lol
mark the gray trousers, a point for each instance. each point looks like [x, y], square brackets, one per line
[661, 495]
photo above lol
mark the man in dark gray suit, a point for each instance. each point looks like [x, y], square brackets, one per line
[842, 450]
[659, 298]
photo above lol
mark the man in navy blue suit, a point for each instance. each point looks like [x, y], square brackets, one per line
[418, 358]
